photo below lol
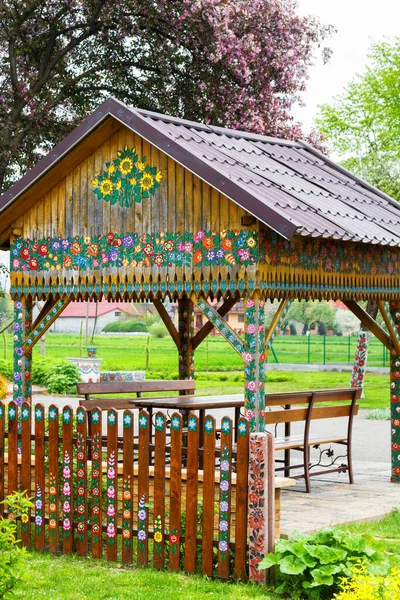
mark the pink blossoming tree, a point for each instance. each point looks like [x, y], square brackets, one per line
[239, 63]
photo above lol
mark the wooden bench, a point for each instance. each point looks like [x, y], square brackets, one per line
[290, 407]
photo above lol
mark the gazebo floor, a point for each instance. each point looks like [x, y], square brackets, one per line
[333, 501]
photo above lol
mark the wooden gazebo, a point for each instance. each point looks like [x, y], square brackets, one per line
[134, 205]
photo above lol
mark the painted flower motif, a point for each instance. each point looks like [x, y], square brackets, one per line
[141, 165]
[80, 416]
[158, 260]
[11, 412]
[147, 182]
[111, 418]
[38, 520]
[106, 187]
[95, 416]
[225, 426]
[33, 264]
[142, 515]
[66, 507]
[127, 495]
[141, 535]
[126, 534]
[66, 524]
[192, 424]
[110, 510]
[66, 489]
[169, 245]
[223, 546]
[142, 421]
[126, 166]
[126, 514]
[251, 242]
[43, 249]
[111, 492]
[127, 420]
[225, 465]
[158, 537]
[111, 472]
[95, 528]
[111, 530]
[38, 414]
[158, 176]
[251, 385]
[66, 416]
[248, 357]
[223, 525]
[38, 504]
[76, 248]
[223, 506]
[209, 426]
[242, 428]
[128, 241]
[198, 257]
[160, 422]
[175, 423]
[148, 249]
[173, 538]
[224, 485]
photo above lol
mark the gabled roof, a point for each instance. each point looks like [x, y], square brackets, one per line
[289, 186]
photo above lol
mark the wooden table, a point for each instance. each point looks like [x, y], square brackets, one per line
[201, 404]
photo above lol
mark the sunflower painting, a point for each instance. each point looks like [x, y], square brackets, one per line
[127, 179]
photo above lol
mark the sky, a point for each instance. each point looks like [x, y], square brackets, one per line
[359, 22]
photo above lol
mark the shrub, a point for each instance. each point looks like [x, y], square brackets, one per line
[158, 330]
[312, 566]
[379, 414]
[62, 378]
[40, 370]
[366, 586]
[3, 387]
[126, 327]
[11, 554]
[6, 369]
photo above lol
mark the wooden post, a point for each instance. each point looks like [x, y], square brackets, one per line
[395, 394]
[22, 363]
[261, 502]
[185, 329]
[254, 358]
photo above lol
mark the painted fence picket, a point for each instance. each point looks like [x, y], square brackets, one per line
[40, 481]
[26, 457]
[208, 496]
[175, 492]
[81, 482]
[112, 483]
[54, 489]
[127, 488]
[225, 483]
[143, 488]
[2, 444]
[242, 467]
[96, 516]
[67, 481]
[13, 417]
[192, 488]
[159, 492]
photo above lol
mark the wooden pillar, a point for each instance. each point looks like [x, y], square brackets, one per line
[22, 390]
[185, 329]
[395, 394]
[254, 358]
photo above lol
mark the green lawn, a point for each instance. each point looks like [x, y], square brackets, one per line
[73, 578]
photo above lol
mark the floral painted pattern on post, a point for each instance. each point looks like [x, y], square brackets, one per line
[360, 360]
[142, 516]
[38, 509]
[158, 535]
[395, 396]
[81, 479]
[127, 512]
[224, 508]
[162, 249]
[111, 498]
[257, 507]
[96, 480]
[126, 179]
[52, 504]
[67, 493]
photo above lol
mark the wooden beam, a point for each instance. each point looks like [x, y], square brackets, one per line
[368, 322]
[212, 315]
[209, 326]
[166, 319]
[390, 325]
[44, 324]
[48, 305]
[276, 323]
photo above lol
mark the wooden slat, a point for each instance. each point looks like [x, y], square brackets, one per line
[208, 496]
[285, 416]
[132, 387]
[159, 491]
[96, 516]
[81, 483]
[225, 498]
[242, 467]
[112, 484]
[127, 494]
[26, 453]
[191, 493]
[143, 488]
[175, 492]
[12, 479]
[39, 477]
[54, 490]
[368, 321]
[209, 326]
[2, 430]
[67, 483]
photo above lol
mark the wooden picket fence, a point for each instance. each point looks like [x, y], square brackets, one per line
[100, 495]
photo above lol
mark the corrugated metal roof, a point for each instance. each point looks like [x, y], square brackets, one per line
[288, 185]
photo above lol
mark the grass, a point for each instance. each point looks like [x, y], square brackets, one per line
[73, 578]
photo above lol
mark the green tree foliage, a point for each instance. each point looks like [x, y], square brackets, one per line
[363, 125]
[311, 314]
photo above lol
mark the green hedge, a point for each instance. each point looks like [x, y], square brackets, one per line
[126, 327]
[60, 377]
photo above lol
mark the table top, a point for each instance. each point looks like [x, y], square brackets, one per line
[190, 402]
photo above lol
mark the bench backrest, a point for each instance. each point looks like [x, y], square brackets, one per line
[134, 387]
[311, 411]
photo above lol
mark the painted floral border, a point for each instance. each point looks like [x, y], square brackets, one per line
[162, 249]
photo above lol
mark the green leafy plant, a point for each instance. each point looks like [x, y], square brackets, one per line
[6, 369]
[11, 553]
[3, 387]
[311, 566]
[126, 327]
[62, 378]
[158, 330]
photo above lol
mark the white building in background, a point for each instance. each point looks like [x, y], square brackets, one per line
[73, 318]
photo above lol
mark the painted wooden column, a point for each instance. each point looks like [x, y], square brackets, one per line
[254, 358]
[186, 329]
[22, 390]
[360, 360]
[395, 394]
